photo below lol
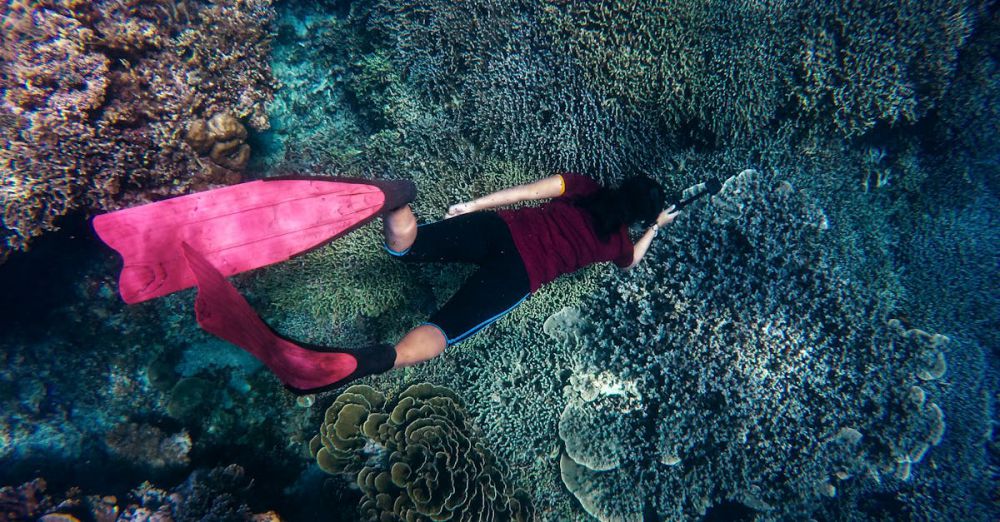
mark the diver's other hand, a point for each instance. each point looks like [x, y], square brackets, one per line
[458, 209]
[667, 216]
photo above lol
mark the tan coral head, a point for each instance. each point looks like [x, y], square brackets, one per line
[221, 138]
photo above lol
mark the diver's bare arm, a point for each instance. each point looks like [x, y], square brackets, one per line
[549, 187]
[642, 246]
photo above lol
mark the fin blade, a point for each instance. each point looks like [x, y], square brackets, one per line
[238, 228]
[222, 311]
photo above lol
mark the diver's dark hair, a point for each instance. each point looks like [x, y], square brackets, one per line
[637, 199]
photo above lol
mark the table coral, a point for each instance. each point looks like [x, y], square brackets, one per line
[416, 458]
[97, 96]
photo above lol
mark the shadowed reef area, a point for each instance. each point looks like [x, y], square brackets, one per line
[816, 342]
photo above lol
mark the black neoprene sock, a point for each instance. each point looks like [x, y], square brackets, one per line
[377, 359]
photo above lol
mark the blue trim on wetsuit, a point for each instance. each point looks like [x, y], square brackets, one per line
[403, 253]
[479, 326]
[393, 252]
[480, 238]
[439, 329]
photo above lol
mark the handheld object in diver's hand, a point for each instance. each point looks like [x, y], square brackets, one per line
[709, 187]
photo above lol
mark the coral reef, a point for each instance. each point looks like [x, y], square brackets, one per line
[149, 444]
[492, 67]
[218, 494]
[24, 502]
[855, 76]
[417, 458]
[707, 72]
[608, 87]
[761, 375]
[747, 365]
[312, 124]
[969, 115]
[98, 387]
[98, 97]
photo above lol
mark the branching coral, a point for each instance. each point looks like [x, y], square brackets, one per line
[762, 376]
[852, 73]
[969, 118]
[705, 70]
[435, 469]
[98, 96]
[605, 86]
[511, 86]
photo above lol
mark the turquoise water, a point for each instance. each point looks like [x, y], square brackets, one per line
[818, 341]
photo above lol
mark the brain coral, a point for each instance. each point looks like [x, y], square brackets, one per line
[417, 458]
[761, 375]
[98, 95]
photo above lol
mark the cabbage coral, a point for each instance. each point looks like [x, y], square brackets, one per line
[435, 469]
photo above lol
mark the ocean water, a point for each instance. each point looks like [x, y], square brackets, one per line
[817, 340]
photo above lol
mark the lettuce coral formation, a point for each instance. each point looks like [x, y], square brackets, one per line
[417, 458]
[98, 96]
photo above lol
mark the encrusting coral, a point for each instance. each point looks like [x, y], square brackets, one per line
[416, 458]
[98, 96]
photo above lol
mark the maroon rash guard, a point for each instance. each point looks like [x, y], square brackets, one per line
[558, 238]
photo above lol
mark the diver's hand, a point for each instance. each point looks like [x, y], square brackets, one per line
[667, 216]
[458, 209]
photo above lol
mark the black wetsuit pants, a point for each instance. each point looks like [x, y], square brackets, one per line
[495, 288]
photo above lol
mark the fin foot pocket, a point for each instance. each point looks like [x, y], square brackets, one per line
[399, 193]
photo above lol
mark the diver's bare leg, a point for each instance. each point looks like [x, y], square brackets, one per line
[420, 344]
[400, 228]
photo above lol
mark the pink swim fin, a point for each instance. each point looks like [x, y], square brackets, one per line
[239, 227]
[303, 368]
